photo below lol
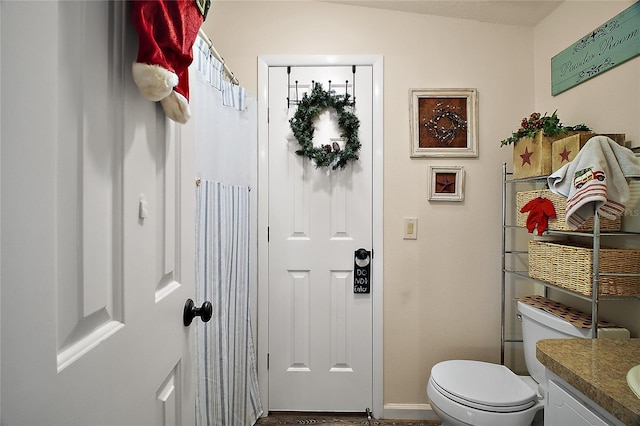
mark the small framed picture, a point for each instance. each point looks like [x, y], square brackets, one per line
[447, 183]
[444, 122]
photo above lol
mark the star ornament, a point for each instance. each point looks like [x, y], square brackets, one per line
[526, 156]
[564, 155]
[445, 183]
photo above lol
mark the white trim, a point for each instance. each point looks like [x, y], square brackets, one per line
[264, 62]
[0, 217]
[409, 412]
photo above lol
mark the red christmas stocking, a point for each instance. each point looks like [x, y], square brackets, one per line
[167, 30]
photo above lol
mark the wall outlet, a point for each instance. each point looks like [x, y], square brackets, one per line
[410, 228]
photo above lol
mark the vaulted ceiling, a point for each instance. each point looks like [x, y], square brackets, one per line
[515, 12]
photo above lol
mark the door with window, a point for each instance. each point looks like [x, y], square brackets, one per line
[97, 226]
[320, 330]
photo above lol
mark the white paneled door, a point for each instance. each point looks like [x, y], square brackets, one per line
[97, 226]
[320, 331]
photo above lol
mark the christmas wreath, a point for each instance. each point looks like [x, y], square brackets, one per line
[302, 126]
[445, 135]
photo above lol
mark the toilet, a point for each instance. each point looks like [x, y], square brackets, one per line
[465, 392]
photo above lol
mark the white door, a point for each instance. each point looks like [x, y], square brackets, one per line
[97, 226]
[320, 331]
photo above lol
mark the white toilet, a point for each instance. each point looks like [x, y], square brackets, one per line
[477, 393]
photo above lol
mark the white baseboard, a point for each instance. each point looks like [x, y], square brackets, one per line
[409, 412]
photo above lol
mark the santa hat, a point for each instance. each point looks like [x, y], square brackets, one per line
[167, 30]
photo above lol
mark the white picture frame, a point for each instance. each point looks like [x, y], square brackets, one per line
[444, 122]
[446, 183]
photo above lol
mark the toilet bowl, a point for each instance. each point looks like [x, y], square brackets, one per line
[466, 392]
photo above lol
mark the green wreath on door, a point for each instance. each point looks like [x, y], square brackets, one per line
[310, 107]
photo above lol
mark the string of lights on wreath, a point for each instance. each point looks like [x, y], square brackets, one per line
[309, 108]
[446, 134]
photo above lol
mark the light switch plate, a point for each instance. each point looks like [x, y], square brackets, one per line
[410, 228]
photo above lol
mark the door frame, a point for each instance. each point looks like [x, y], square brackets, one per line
[264, 62]
[1, 208]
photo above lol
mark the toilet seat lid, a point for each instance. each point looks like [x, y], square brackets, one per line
[483, 385]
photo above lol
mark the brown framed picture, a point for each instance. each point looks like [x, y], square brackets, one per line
[447, 183]
[444, 122]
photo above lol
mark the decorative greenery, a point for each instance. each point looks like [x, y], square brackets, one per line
[550, 126]
[302, 126]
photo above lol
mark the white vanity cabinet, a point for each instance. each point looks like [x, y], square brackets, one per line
[566, 406]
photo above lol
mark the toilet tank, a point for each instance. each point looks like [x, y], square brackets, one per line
[537, 325]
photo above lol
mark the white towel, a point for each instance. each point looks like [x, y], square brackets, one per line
[595, 179]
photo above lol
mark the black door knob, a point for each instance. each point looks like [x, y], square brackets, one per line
[362, 254]
[190, 312]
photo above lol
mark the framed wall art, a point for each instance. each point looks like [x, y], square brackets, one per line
[444, 122]
[446, 183]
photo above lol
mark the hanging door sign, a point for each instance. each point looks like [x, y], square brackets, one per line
[362, 271]
[613, 43]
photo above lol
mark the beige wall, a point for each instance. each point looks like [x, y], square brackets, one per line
[442, 291]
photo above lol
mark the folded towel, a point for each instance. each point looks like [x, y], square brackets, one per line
[595, 179]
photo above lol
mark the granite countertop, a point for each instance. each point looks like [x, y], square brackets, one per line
[597, 368]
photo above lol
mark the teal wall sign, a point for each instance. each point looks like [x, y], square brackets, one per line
[611, 44]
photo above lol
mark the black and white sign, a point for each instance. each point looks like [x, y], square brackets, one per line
[361, 271]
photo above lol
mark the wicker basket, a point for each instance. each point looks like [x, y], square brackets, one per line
[560, 204]
[570, 266]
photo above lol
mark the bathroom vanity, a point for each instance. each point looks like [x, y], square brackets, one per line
[587, 381]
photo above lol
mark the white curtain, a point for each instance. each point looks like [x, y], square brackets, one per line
[225, 122]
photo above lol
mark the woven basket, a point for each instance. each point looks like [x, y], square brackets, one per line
[560, 204]
[570, 266]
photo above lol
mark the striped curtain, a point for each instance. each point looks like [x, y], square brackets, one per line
[226, 369]
[213, 73]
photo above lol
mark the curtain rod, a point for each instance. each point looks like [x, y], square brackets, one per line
[215, 53]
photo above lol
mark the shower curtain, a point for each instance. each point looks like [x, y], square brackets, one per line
[227, 378]
[225, 123]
